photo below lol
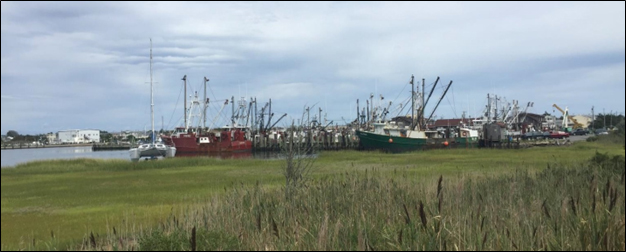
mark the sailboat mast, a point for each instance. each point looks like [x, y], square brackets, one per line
[151, 95]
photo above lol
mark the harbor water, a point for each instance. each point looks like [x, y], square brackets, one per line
[11, 158]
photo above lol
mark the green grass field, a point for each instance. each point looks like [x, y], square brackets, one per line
[56, 205]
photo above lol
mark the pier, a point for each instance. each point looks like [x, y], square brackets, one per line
[108, 147]
[344, 140]
[19, 146]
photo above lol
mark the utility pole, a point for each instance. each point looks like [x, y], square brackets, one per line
[593, 118]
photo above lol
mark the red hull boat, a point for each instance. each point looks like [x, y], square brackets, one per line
[206, 143]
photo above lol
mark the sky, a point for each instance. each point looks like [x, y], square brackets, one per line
[86, 65]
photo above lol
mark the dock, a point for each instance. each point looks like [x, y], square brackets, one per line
[19, 146]
[109, 147]
[328, 141]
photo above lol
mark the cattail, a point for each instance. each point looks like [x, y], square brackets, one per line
[440, 204]
[573, 205]
[194, 246]
[482, 224]
[613, 200]
[407, 218]
[92, 239]
[484, 240]
[439, 187]
[545, 210]
[114, 231]
[400, 236]
[258, 221]
[275, 229]
[607, 191]
[423, 214]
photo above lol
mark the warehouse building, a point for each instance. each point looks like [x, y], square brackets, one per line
[78, 136]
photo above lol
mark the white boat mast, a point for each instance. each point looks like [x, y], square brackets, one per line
[151, 96]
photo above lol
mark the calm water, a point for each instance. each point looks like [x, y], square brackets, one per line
[15, 157]
[11, 158]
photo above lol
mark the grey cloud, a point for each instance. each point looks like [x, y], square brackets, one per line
[92, 58]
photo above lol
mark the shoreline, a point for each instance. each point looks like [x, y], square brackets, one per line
[25, 147]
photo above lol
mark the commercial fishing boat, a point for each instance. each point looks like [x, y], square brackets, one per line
[411, 132]
[202, 140]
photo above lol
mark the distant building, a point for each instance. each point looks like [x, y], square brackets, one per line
[52, 138]
[78, 136]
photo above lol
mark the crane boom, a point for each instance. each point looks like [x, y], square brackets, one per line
[577, 125]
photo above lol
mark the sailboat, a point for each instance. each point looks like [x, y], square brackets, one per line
[152, 150]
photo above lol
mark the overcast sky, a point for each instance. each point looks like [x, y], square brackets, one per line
[68, 65]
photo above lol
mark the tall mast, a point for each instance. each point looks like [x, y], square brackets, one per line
[488, 109]
[151, 95]
[185, 114]
[424, 123]
[412, 102]
[206, 102]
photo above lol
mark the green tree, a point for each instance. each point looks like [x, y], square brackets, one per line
[605, 121]
[106, 137]
[13, 134]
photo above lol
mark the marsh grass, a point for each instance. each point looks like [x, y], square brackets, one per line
[567, 198]
[559, 208]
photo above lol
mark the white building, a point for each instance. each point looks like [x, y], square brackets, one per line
[78, 136]
[52, 138]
